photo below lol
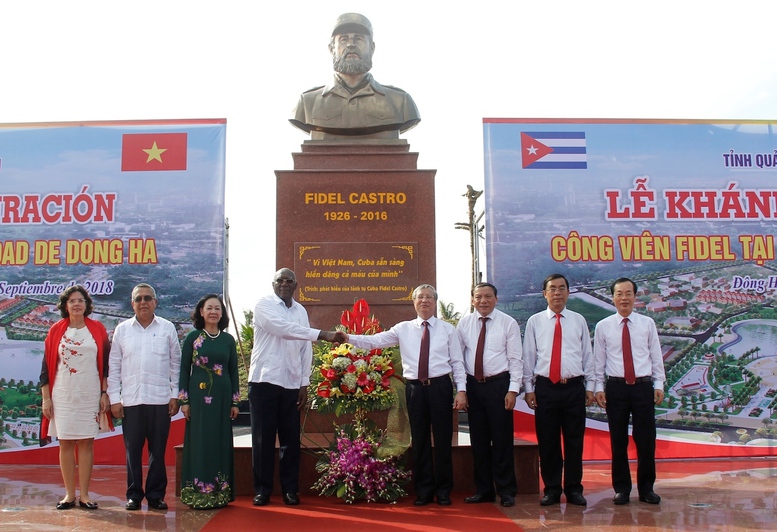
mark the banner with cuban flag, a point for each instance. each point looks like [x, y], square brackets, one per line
[687, 209]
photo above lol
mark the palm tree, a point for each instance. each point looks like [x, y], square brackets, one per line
[247, 331]
[448, 313]
[245, 345]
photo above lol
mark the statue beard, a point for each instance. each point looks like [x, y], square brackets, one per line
[344, 65]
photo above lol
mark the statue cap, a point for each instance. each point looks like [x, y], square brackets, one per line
[352, 23]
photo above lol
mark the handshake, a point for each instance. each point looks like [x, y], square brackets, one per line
[335, 337]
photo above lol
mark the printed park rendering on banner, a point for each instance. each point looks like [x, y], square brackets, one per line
[106, 205]
[688, 209]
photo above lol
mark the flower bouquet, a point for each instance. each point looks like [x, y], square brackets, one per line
[351, 379]
[351, 469]
[346, 379]
[361, 464]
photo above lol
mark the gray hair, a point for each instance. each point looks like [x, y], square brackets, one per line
[143, 285]
[422, 287]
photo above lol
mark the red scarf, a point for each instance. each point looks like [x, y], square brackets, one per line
[51, 353]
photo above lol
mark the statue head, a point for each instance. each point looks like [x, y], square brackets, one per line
[352, 45]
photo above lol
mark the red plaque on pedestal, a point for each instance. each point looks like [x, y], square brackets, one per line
[356, 220]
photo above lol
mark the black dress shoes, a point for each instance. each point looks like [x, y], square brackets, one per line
[577, 499]
[66, 505]
[132, 504]
[621, 498]
[649, 497]
[422, 501]
[261, 500]
[91, 505]
[157, 504]
[550, 500]
[291, 499]
[444, 500]
[479, 497]
[507, 501]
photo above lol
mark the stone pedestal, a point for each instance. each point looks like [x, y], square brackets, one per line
[525, 452]
[356, 220]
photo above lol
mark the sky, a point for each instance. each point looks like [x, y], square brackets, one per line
[249, 61]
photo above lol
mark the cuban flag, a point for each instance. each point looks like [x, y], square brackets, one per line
[542, 150]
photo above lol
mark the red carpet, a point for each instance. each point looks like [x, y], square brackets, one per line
[330, 513]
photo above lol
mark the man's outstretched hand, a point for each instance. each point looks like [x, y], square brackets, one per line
[335, 337]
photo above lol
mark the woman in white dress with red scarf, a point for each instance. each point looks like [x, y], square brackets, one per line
[73, 384]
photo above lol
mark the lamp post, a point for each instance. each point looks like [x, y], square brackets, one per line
[474, 229]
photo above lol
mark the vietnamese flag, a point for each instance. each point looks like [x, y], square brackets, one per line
[153, 152]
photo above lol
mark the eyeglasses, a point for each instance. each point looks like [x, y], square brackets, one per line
[138, 299]
[560, 290]
[425, 298]
[76, 301]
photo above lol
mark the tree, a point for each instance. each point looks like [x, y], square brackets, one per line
[245, 345]
[447, 313]
[246, 331]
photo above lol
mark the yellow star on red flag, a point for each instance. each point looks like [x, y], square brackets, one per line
[154, 153]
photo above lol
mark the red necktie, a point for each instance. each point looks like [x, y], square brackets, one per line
[628, 361]
[555, 354]
[423, 359]
[479, 351]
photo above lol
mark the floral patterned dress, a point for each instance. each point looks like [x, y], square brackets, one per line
[76, 394]
[209, 385]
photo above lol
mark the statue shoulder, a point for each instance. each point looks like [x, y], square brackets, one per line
[314, 89]
[395, 89]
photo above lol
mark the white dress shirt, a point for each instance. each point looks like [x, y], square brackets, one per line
[576, 359]
[144, 364]
[645, 350]
[502, 351]
[283, 352]
[444, 348]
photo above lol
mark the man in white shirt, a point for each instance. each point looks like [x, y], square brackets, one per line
[491, 344]
[278, 381]
[144, 367]
[629, 375]
[429, 391]
[559, 383]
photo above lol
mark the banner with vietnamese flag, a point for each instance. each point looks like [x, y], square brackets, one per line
[106, 205]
